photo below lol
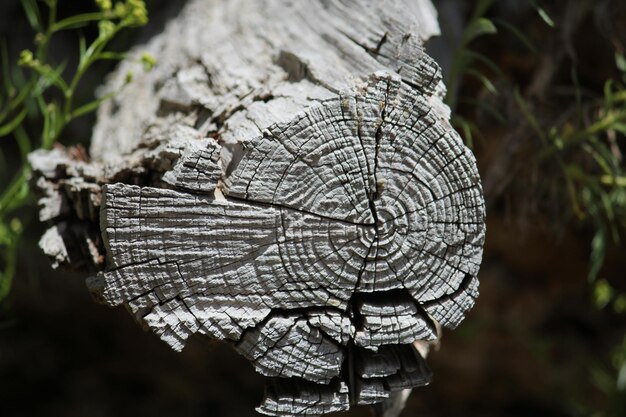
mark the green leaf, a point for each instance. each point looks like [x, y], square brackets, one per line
[478, 27]
[578, 95]
[25, 91]
[545, 17]
[470, 56]
[608, 208]
[6, 276]
[3, 169]
[608, 92]
[486, 82]
[52, 76]
[596, 257]
[6, 73]
[9, 198]
[530, 117]
[481, 8]
[603, 158]
[45, 130]
[53, 123]
[82, 46]
[621, 378]
[23, 141]
[5, 234]
[7, 128]
[517, 33]
[620, 127]
[17, 194]
[32, 14]
[77, 21]
[602, 380]
[486, 107]
[91, 106]
[467, 128]
[620, 61]
[467, 134]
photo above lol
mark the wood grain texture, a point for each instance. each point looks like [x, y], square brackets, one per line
[286, 180]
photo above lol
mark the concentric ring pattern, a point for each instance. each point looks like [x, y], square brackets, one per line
[344, 235]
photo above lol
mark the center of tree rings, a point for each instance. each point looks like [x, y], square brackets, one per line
[344, 233]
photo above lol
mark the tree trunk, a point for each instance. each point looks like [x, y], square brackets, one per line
[286, 179]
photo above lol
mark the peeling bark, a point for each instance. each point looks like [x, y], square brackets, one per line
[285, 180]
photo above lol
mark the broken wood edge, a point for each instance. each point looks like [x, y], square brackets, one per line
[151, 160]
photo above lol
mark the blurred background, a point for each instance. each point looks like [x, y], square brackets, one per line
[538, 92]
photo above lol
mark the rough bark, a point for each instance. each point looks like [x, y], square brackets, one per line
[286, 180]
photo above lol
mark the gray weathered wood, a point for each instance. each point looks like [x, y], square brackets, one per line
[285, 180]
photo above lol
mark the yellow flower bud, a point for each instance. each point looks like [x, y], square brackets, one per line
[121, 10]
[26, 58]
[106, 28]
[104, 5]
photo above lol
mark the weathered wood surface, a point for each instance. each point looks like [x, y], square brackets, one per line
[285, 180]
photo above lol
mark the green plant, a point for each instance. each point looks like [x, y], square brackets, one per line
[585, 146]
[597, 189]
[479, 66]
[38, 89]
[464, 63]
[611, 381]
[567, 156]
[582, 151]
[582, 143]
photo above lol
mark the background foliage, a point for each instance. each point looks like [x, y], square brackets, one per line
[543, 102]
[42, 91]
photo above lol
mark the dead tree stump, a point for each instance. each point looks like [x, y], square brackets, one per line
[285, 180]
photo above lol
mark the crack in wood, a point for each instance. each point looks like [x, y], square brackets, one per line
[377, 312]
[298, 193]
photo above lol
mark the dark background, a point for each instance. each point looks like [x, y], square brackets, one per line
[534, 345]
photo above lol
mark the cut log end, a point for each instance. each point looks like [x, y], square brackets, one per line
[319, 225]
[347, 230]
